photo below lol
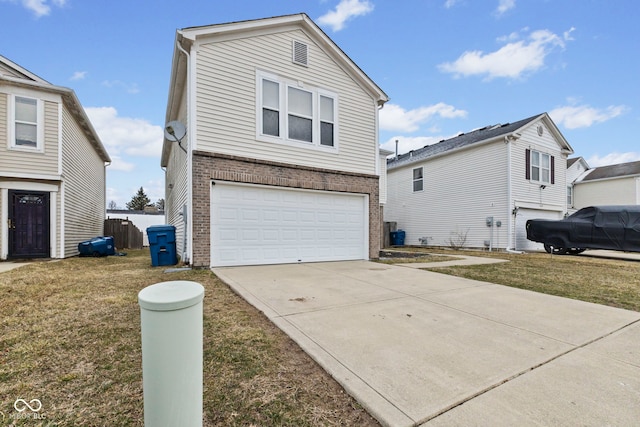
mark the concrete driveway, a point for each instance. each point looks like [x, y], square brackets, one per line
[422, 348]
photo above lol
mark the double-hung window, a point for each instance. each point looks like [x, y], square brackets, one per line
[270, 108]
[26, 130]
[295, 113]
[540, 170]
[418, 180]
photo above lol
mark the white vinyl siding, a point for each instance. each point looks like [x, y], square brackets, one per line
[459, 200]
[383, 179]
[226, 102]
[84, 186]
[618, 191]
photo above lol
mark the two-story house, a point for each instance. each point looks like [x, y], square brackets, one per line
[479, 188]
[52, 168]
[280, 162]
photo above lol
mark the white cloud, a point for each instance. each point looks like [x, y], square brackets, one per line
[117, 164]
[504, 6]
[395, 118]
[78, 75]
[406, 144]
[345, 11]
[450, 3]
[513, 60]
[125, 135]
[41, 7]
[129, 87]
[613, 159]
[583, 116]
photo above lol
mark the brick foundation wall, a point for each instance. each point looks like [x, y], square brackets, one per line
[209, 166]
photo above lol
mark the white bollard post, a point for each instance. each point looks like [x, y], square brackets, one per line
[171, 324]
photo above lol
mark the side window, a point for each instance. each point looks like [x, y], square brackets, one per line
[569, 195]
[418, 180]
[26, 131]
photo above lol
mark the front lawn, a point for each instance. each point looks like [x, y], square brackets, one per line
[603, 281]
[70, 337]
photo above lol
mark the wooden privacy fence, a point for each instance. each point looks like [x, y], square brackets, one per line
[125, 234]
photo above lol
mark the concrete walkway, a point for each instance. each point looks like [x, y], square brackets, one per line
[10, 265]
[420, 348]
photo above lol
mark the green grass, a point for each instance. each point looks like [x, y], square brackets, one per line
[604, 281]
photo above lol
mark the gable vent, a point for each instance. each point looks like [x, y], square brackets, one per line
[300, 53]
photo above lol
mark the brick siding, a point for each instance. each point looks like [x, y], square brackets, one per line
[209, 166]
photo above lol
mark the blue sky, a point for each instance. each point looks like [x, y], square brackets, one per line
[448, 66]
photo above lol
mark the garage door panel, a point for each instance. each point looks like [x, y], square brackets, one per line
[522, 243]
[266, 225]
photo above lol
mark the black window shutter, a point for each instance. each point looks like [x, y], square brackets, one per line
[527, 162]
[553, 170]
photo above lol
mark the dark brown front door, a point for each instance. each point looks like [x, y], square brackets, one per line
[28, 224]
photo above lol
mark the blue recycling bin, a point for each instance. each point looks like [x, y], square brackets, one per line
[98, 246]
[397, 238]
[162, 245]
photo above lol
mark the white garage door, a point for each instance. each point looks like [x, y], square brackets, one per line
[522, 243]
[254, 224]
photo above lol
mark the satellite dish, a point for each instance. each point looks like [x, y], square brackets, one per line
[175, 131]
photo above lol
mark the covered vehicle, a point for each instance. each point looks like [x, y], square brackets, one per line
[596, 227]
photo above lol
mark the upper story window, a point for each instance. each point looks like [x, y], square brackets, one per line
[540, 167]
[418, 180]
[294, 113]
[26, 130]
[569, 195]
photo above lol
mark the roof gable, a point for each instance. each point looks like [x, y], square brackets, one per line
[11, 69]
[280, 23]
[475, 137]
[187, 37]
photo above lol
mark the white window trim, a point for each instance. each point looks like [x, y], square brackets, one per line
[11, 139]
[540, 168]
[284, 84]
[414, 180]
[570, 196]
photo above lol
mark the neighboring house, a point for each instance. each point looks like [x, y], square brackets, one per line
[576, 167]
[607, 185]
[52, 168]
[280, 162]
[478, 189]
[141, 219]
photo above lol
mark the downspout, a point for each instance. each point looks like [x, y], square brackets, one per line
[186, 207]
[511, 209]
